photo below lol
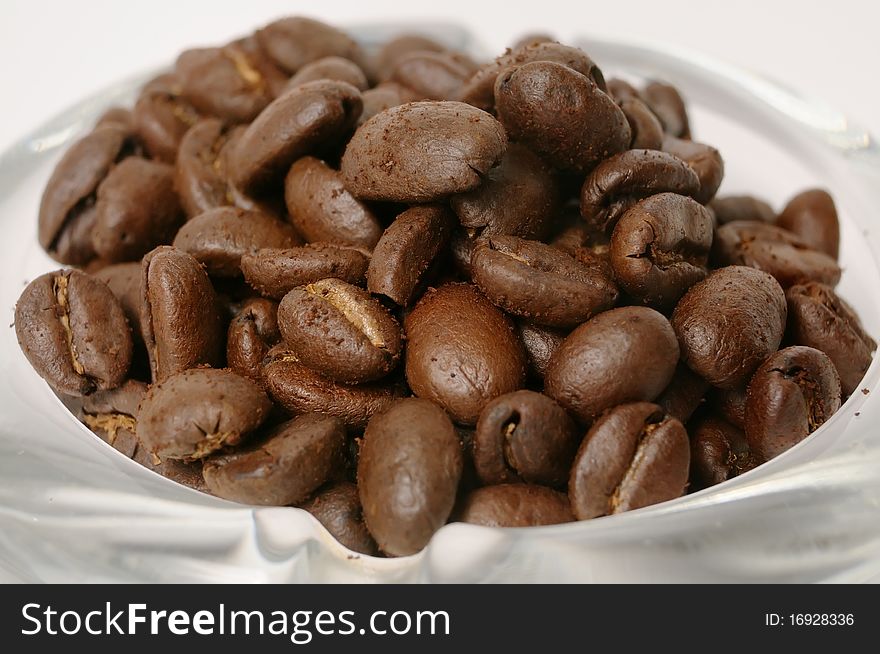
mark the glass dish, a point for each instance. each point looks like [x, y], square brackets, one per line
[73, 509]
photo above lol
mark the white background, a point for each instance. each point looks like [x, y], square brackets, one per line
[52, 52]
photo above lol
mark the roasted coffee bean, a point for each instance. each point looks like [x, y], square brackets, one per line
[223, 82]
[124, 281]
[774, 250]
[382, 97]
[461, 247]
[322, 209]
[73, 332]
[817, 317]
[283, 467]
[729, 323]
[196, 412]
[431, 75]
[730, 404]
[684, 394]
[67, 207]
[302, 120]
[136, 210]
[296, 41]
[741, 207]
[112, 415]
[516, 505]
[118, 116]
[560, 114]
[422, 152]
[621, 181]
[705, 161]
[719, 451]
[660, 248]
[524, 436]
[179, 317]
[340, 331]
[220, 237]
[252, 333]
[789, 397]
[539, 282]
[540, 343]
[338, 509]
[634, 456]
[333, 68]
[666, 102]
[408, 472]
[479, 90]
[160, 119]
[199, 175]
[302, 390]
[812, 216]
[461, 351]
[647, 132]
[407, 250]
[520, 197]
[392, 51]
[623, 355]
[621, 90]
[274, 272]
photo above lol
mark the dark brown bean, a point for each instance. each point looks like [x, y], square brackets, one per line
[333, 68]
[560, 114]
[124, 281]
[660, 248]
[382, 97]
[118, 116]
[623, 355]
[684, 394]
[539, 282]
[283, 467]
[647, 132]
[666, 102]
[812, 216]
[431, 75]
[252, 333]
[719, 451]
[295, 41]
[408, 472]
[394, 49]
[160, 119]
[112, 415]
[322, 209]
[634, 456]
[274, 273]
[408, 249]
[789, 397]
[741, 207]
[422, 152]
[516, 505]
[199, 175]
[731, 404]
[340, 331]
[338, 509]
[705, 161]
[73, 332]
[540, 343]
[194, 413]
[461, 351]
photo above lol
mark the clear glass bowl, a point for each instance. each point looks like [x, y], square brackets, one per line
[74, 509]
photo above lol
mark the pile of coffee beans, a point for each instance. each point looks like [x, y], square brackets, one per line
[399, 287]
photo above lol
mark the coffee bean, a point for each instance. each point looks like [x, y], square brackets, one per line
[461, 351]
[812, 216]
[790, 396]
[299, 122]
[136, 210]
[332, 68]
[252, 333]
[647, 132]
[621, 90]
[623, 355]
[322, 209]
[283, 467]
[196, 412]
[704, 160]
[634, 456]
[560, 114]
[422, 152]
[407, 250]
[538, 282]
[340, 331]
[199, 176]
[621, 181]
[112, 415]
[118, 116]
[817, 317]
[274, 272]
[160, 119]
[338, 509]
[124, 281]
[67, 213]
[409, 468]
[684, 394]
[179, 317]
[660, 248]
[220, 237]
[729, 323]
[431, 75]
[741, 207]
[382, 97]
[479, 90]
[540, 343]
[296, 41]
[516, 505]
[302, 390]
[393, 50]
[519, 197]
[719, 451]
[774, 250]
[730, 404]
[668, 105]
[73, 332]
[524, 436]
